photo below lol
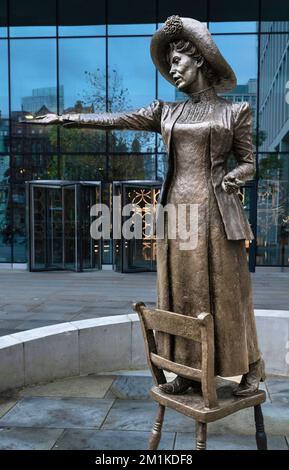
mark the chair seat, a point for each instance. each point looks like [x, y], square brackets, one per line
[191, 403]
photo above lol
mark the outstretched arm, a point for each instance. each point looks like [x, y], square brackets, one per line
[143, 119]
[242, 149]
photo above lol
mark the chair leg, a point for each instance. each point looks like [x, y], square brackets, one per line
[261, 438]
[156, 432]
[201, 433]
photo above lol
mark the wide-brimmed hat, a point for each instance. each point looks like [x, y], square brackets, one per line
[176, 28]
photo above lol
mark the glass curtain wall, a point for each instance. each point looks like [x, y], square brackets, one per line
[58, 56]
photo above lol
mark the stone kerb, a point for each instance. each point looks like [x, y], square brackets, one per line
[108, 344]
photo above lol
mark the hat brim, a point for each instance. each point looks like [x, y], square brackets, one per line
[199, 35]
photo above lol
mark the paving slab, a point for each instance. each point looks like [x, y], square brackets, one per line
[278, 388]
[139, 415]
[28, 438]
[91, 386]
[57, 413]
[135, 388]
[186, 441]
[79, 439]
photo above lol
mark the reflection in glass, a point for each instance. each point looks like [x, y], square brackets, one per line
[5, 225]
[273, 210]
[35, 92]
[131, 167]
[4, 103]
[274, 93]
[234, 27]
[241, 54]
[82, 76]
[131, 86]
[83, 167]
[4, 169]
[19, 224]
[128, 29]
[162, 166]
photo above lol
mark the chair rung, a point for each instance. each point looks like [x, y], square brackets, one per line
[179, 369]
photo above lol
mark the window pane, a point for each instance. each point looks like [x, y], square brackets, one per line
[131, 86]
[241, 53]
[127, 17]
[83, 167]
[5, 224]
[274, 93]
[35, 62]
[131, 167]
[77, 19]
[273, 210]
[234, 27]
[4, 103]
[33, 18]
[83, 81]
[196, 9]
[19, 224]
[4, 169]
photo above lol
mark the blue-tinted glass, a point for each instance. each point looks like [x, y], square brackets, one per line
[32, 31]
[85, 30]
[19, 224]
[125, 29]
[77, 18]
[82, 78]
[33, 18]
[131, 167]
[4, 169]
[33, 91]
[234, 27]
[241, 54]
[5, 223]
[4, 103]
[274, 93]
[273, 210]
[131, 86]
[83, 167]
[275, 26]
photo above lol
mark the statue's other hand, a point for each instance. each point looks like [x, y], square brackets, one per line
[43, 120]
[231, 184]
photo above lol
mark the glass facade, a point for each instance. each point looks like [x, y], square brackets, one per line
[59, 56]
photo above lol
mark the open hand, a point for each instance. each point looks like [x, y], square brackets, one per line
[44, 120]
[231, 185]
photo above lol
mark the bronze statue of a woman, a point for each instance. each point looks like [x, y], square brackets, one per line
[199, 133]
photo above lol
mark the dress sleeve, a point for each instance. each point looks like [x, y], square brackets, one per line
[143, 119]
[242, 142]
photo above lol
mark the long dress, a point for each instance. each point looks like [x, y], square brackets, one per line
[212, 277]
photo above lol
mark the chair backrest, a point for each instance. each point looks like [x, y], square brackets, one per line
[200, 329]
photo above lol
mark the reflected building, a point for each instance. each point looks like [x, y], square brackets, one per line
[44, 97]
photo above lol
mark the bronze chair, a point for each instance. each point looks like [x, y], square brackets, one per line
[216, 400]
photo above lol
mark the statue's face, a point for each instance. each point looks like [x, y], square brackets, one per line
[184, 70]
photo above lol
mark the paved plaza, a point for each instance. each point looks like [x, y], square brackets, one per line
[32, 300]
[114, 412]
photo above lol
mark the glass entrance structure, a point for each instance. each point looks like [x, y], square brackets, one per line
[58, 222]
[131, 255]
